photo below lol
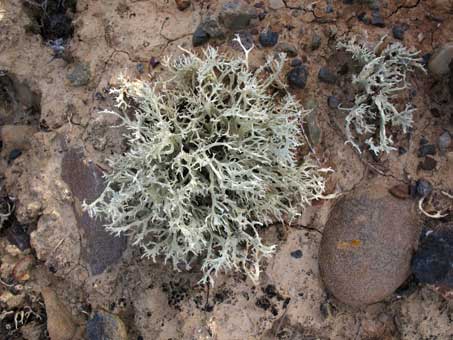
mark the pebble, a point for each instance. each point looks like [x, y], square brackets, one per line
[313, 130]
[398, 32]
[80, 75]
[426, 149]
[154, 62]
[17, 235]
[276, 4]
[14, 154]
[182, 4]
[297, 77]
[423, 188]
[402, 151]
[212, 27]
[333, 102]
[268, 38]
[428, 164]
[439, 62]
[401, 191]
[199, 37]
[104, 325]
[326, 76]
[140, 68]
[367, 245]
[297, 254]
[290, 50]
[377, 19]
[296, 62]
[315, 42]
[444, 142]
[236, 15]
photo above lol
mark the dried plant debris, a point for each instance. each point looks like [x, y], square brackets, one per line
[212, 158]
[382, 78]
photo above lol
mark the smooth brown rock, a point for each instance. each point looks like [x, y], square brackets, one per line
[440, 61]
[367, 245]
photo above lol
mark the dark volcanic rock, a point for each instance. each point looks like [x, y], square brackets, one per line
[297, 77]
[199, 37]
[367, 246]
[433, 260]
[86, 183]
[268, 38]
[327, 76]
[106, 326]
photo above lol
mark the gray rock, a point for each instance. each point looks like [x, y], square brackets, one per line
[236, 15]
[327, 76]
[199, 37]
[212, 27]
[315, 42]
[80, 75]
[441, 59]
[367, 245]
[276, 4]
[313, 130]
[297, 77]
[444, 142]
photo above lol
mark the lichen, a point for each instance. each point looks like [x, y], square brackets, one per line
[211, 160]
[382, 77]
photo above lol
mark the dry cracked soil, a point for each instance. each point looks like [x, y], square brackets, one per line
[64, 277]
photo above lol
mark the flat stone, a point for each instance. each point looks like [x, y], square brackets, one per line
[367, 245]
[439, 62]
[80, 75]
[84, 179]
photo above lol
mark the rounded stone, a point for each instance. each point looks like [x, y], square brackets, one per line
[440, 61]
[367, 245]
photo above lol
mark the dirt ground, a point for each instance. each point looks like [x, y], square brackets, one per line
[65, 141]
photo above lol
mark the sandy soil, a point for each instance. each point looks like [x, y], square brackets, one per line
[112, 37]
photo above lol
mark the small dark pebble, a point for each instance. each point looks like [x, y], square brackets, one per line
[259, 5]
[344, 69]
[444, 141]
[348, 2]
[140, 68]
[363, 18]
[423, 141]
[398, 32]
[315, 42]
[401, 150]
[326, 76]
[154, 62]
[140, 337]
[333, 102]
[199, 37]
[377, 19]
[262, 15]
[268, 38]
[426, 149]
[297, 77]
[423, 188]
[425, 58]
[274, 311]
[182, 4]
[17, 235]
[435, 112]
[271, 291]
[15, 153]
[263, 302]
[428, 163]
[296, 62]
[297, 254]
[99, 96]
[329, 8]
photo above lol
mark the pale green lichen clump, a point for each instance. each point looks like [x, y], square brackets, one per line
[382, 78]
[211, 160]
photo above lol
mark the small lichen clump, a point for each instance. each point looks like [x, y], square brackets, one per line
[382, 78]
[211, 159]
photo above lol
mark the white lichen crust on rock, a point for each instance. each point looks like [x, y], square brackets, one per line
[211, 159]
[382, 77]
